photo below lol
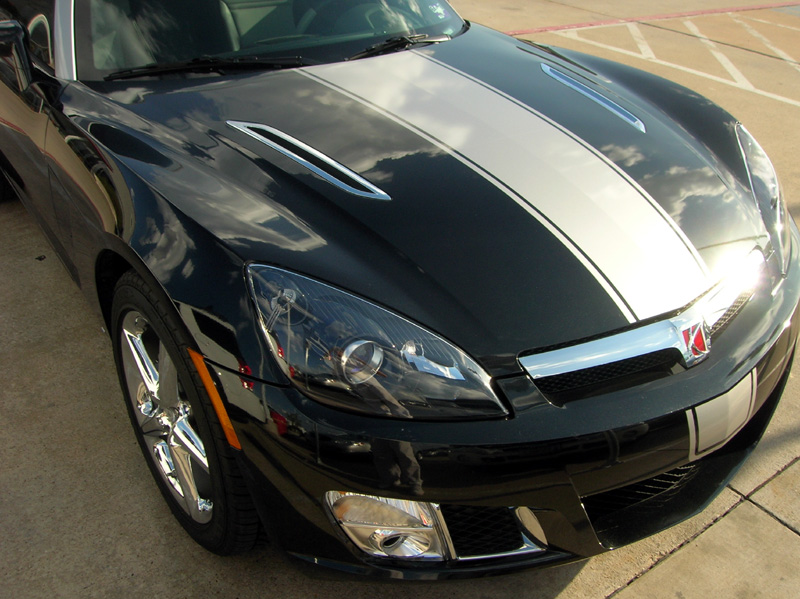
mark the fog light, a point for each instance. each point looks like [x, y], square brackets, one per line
[384, 527]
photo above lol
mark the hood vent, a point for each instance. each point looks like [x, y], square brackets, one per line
[318, 163]
[587, 91]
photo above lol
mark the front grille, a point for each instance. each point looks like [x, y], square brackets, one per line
[608, 377]
[730, 313]
[477, 531]
[604, 364]
[650, 494]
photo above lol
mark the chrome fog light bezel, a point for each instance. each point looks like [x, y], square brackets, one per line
[421, 537]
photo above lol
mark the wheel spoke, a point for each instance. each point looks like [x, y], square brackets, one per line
[164, 416]
[199, 508]
[187, 438]
[147, 370]
[163, 458]
[167, 380]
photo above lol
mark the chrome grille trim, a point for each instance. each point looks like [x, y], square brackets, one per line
[527, 546]
[624, 346]
[338, 174]
[600, 99]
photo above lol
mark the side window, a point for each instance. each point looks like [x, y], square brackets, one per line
[37, 16]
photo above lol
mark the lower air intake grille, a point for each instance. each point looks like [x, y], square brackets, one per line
[482, 530]
[650, 494]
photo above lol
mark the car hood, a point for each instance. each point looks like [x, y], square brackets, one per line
[499, 194]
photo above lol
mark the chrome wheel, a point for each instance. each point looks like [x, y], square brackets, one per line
[176, 423]
[164, 417]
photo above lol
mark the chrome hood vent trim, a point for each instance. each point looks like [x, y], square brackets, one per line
[599, 98]
[315, 161]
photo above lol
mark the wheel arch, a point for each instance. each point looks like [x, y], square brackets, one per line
[110, 265]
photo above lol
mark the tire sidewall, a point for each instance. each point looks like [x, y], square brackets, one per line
[132, 294]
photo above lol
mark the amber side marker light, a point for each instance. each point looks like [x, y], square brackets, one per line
[216, 400]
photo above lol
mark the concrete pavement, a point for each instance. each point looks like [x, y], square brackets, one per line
[80, 517]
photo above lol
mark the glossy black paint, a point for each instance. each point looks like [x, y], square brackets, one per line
[172, 134]
[378, 250]
[146, 174]
[295, 455]
[690, 170]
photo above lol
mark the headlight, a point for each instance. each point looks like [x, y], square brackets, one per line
[767, 193]
[351, 354]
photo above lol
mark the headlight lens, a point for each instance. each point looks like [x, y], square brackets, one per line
[767, 192]
[346, 352]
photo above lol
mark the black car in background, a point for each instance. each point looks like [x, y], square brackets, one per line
[407, 295]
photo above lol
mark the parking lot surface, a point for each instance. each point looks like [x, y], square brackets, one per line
[80, 516]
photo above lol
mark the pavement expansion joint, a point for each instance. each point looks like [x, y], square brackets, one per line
[766, 482]
[775, 517]
[662, 558]
[718, 42]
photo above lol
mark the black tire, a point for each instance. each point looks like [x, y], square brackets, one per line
[175, 423]
[6, 193]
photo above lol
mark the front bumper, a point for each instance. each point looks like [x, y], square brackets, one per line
[573, 480]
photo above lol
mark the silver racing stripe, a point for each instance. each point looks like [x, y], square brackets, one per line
[606, 285]
[620, 235]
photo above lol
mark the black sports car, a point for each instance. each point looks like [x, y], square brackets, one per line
[407, 295]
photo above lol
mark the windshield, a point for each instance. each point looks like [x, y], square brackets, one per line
[114, 35]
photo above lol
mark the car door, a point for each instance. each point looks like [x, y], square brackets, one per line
[30, 110]
[28, 90]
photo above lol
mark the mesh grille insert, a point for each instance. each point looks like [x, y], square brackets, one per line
[731, 312]
[616, 375]
[654, 491]
[482, 530]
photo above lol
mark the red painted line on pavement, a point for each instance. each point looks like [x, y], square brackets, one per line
[677, 15]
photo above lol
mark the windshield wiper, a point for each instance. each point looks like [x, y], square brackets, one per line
[211, 64]
[402, 42]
